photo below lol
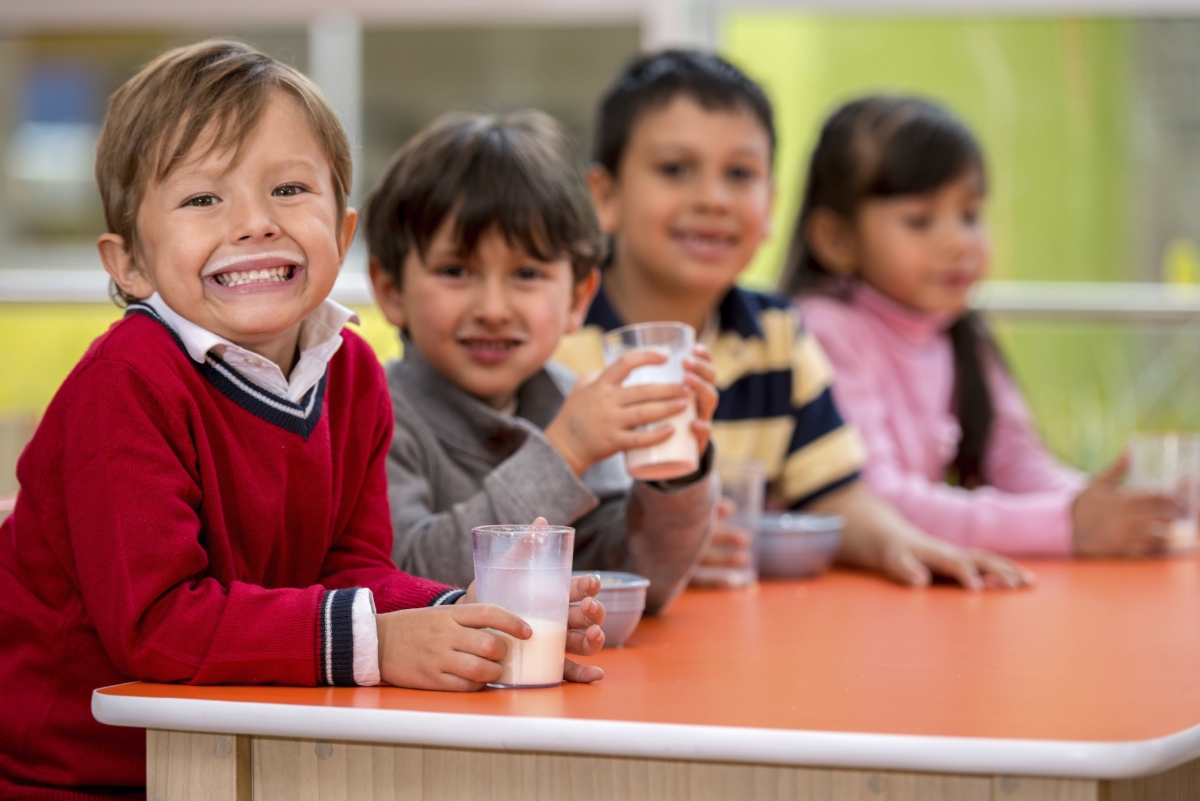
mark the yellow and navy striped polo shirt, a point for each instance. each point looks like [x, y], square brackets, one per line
[776, 402]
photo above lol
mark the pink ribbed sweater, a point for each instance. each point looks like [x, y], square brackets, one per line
[894, 381]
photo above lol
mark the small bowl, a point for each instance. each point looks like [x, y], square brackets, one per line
[624, 599]
[797, 545]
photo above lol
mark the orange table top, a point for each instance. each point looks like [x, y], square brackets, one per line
[1098, 651]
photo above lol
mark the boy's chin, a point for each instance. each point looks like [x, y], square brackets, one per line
[496, 391]
[708, 277]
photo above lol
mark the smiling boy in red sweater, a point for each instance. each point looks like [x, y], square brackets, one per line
[205, 500]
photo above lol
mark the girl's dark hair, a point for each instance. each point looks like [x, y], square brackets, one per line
[652, 81]
[516, 174]
[879, 147]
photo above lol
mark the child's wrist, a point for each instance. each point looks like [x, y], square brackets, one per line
[559, 440]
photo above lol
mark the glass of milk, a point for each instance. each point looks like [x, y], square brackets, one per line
[527, 570]
[679, 455]
[1169, 464]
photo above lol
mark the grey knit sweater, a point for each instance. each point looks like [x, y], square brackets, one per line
[456, 463]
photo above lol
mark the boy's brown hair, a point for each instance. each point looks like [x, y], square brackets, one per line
[210, 94]
[516, 174]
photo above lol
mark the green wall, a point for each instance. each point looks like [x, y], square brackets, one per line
[1047, 98]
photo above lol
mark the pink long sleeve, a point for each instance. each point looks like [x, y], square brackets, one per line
[893, 380]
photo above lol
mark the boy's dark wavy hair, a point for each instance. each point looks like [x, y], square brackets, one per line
[885, 146]
[650, 82]
[516, 174]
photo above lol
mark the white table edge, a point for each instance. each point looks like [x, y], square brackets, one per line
[968, 755]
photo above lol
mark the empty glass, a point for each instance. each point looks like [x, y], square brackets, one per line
[743, 482]
[1169, 464]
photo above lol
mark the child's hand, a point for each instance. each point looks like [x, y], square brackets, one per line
[600, 417]
[1109, 521]
[444, 647]
[877, 538]
[700, 377]
[584, 636]
[912, 560]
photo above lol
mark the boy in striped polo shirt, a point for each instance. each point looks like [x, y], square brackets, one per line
[681, 181]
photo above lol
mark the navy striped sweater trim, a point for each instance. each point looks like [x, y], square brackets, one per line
[447, 598]
[298, 418]
[336, 625]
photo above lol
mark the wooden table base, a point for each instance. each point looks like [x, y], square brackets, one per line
[182, 766]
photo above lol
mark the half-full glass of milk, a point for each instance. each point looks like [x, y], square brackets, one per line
[679, 455]
[527, 570]
[1169, 464]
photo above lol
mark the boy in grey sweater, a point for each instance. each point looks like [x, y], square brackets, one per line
[484, 252]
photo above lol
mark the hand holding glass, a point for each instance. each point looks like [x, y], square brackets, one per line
[679, 454]
[1169, 464]
[527, 570]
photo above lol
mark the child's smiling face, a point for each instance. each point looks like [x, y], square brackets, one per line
[486, 321]
[692, 199]
[245, 249]
[925, 251]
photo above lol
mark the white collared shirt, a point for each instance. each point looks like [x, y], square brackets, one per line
[320, 338]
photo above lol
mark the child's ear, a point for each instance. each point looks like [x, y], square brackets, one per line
[346, 235]
[603, 187]
[770, 226]
[581, 300]
[121, 266]
[388, 296]
[832, 241]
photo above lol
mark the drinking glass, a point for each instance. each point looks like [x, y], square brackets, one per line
[527, 570]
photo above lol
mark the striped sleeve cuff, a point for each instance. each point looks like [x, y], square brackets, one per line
[336, 625]
[447, 598]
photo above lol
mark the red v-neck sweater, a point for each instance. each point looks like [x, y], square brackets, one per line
[166, 530]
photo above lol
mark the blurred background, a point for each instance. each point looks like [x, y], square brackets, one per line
[1089, 114]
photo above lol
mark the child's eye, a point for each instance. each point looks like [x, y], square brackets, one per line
[971, 216]
[454, 271]
[741, 173]
[288, 190]
[529, 273]
[673, 169]
[202, 201]
[918, 222]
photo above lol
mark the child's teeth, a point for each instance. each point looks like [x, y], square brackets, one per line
[238, 277]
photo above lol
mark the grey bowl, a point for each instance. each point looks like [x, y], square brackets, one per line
[797, 545]
[624, 599]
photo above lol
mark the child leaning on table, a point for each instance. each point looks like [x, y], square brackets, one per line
[205, 498]
[681, 180]
[888, 244]
[484, 249]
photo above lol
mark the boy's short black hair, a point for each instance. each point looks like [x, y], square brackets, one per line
[652, 81]
[516, 174]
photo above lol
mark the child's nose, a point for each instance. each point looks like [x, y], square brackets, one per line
[962, 236]
[255, 223]
[712, 193]
[491, 305]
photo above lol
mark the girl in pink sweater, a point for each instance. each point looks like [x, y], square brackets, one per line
[889, 241]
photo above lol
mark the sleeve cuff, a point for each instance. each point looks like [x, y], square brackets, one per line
[683, 482]
[366, 639]
[447, 598]
[336, 624]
